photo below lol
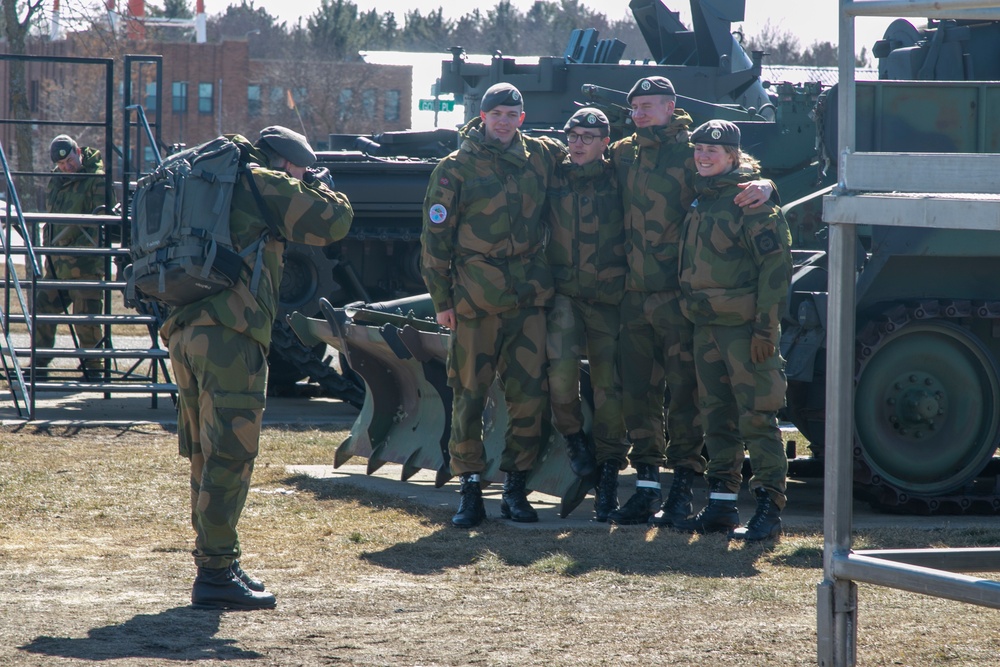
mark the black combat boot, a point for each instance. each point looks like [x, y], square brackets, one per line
[606, 491]
[644, 502]
[471, 510]
[581, 456]
[252, 584]
[514, 500]
[220, 588]
[679, 504]
[766, 522]
[720, 515]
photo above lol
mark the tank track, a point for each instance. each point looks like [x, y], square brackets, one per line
[982, 495]
[287, 345]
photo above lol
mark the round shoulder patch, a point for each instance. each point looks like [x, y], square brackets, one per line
[437, 213]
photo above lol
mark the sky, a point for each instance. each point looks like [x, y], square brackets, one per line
[809, 20]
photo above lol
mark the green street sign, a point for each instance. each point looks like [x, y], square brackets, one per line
[442, 105]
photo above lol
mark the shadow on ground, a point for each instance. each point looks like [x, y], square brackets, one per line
[182, 634]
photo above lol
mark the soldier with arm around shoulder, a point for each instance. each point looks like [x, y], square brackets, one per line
[586, 252]
[218, 352]
[484, 265]
[735, 268]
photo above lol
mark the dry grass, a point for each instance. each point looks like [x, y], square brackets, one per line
[94, 538]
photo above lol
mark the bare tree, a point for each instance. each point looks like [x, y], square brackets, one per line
[16, 29]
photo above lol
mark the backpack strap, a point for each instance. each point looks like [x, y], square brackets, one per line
[272, 227]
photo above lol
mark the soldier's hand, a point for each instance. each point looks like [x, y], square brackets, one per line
[321, 174]
[760, 350]
[446, 318]
[753, 193]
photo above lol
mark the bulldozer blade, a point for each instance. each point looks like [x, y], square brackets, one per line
[418, 426]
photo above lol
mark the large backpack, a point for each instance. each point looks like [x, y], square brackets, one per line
[182, 250]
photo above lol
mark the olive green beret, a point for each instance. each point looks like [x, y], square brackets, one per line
[62, 146]
[501, 94]
[289, 144]
[720, 132]
[651, 85]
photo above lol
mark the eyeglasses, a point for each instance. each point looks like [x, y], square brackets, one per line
[573, 137]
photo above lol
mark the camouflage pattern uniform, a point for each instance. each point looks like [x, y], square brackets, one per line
[218, 352]
[586, 252]
[736, 266]
[655, 168]
[482, 256]
[78, 194]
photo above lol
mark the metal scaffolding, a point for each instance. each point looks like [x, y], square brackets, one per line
[907, 190]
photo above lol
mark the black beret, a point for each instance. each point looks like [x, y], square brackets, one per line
[720, 132]
[289, 144]
[651, 85]
[61, 146]
[591, 118]
[501, 94]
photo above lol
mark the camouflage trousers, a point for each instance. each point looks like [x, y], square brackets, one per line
[221, 380]
[576, 329]
[84, 302]
[655, 351]
[510, 345]
[739, 402]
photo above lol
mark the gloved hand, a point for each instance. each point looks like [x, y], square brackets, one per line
[321, 174]
[760, 350]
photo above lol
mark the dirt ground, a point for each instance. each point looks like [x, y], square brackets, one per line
[95, 567]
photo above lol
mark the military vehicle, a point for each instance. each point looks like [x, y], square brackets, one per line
[927, 387]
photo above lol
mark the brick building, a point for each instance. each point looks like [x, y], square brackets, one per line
[207, 89]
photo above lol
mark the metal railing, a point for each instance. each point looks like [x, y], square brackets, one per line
[873, 189]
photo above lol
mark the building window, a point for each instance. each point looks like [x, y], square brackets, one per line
[392, 105]
[368, 102]
[344, 102]
[277, 103]
[179, 90]
[206, 98]
[254, 101]
[150, 102]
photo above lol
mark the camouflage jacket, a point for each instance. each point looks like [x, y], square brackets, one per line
[483, 233]
[586, 247]
[76, 193]
[303, 213]
[736, 264]
[655, 170]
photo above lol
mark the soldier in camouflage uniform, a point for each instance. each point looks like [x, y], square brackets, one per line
[484, 266]
[218, 351]
[735, 268]
[655, 171]
[78, 187]
[586, 251]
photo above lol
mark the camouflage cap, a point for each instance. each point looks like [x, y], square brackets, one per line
[589, 117]
[720, 132]
[651, 85]
[501, 94]
[289, 144]
[62, 146]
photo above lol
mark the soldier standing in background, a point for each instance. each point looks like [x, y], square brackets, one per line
[218, 351]
[736, 265]
[76, 187]
[655, 170]
[484, 266]
[586, 252]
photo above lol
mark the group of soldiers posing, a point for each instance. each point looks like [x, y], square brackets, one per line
[660, 259]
